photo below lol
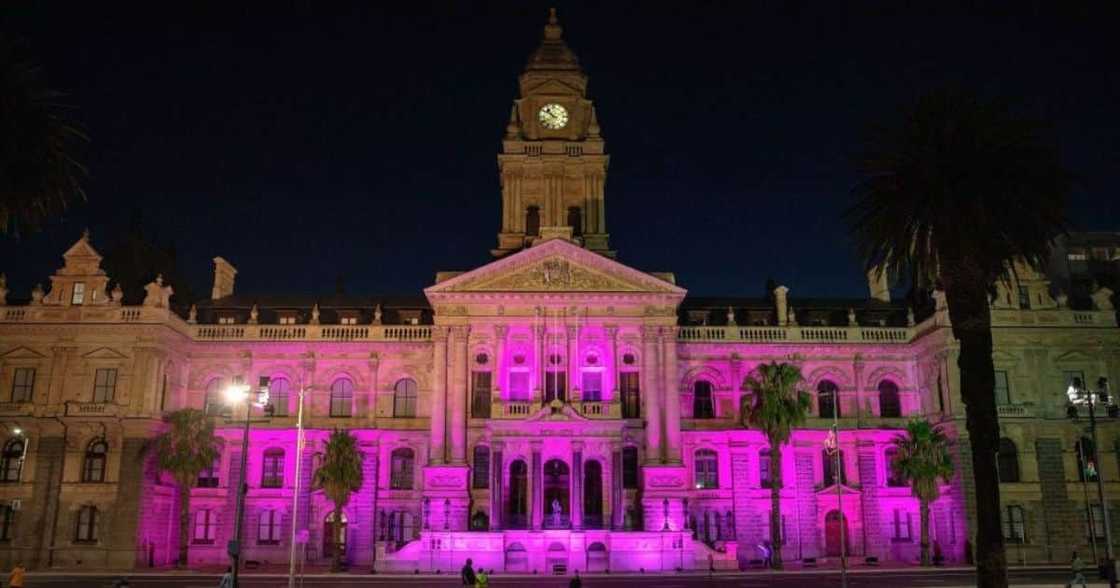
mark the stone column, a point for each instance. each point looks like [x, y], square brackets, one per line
[500, 332]
[538, 377]
[617, 509]
[497, 471]
[439, 395]
[615, 386]
[371, 401]
[857, 370]
[458, 394]
[536, 488]
[650, 388]
[571, 333]
[672, 396]
[576, 497]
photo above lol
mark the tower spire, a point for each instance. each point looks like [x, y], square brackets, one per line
[553, 30]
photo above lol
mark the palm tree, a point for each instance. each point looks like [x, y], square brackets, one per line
[954, 197]
[923, 460]
[776, 404]
[339, 476]
[185, 448]
[39, 169]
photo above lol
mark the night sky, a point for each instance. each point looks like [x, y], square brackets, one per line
[306, 144]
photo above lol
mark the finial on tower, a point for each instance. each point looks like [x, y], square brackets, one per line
[553, 29]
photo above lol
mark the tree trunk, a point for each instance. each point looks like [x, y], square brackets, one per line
[776, 505]
[336, 557]
[925, 531]
[971, 318]
[184, 524]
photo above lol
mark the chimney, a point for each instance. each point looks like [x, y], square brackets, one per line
[781, 309]
[224, 274]
[877, 284]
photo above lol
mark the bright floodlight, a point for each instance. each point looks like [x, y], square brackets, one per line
[17, 431]
[236, 393]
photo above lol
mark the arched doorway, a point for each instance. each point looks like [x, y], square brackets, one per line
[597, 557]
[334, 535]
[518, 495]
[557, 556]
[834, 522]
[517, 559]
[592, 495]
[556, 494]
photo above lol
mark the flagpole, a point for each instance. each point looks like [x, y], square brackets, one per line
[295, 491]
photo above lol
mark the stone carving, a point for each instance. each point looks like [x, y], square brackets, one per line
[852, 317]
[445, 481]
[117, 294]
[792, 316]
[730, 316]
[665, 481]
[156, 295]
[555, 274]
[377, 315]
[192, 315]
[314, 314]
[909, 317]
[254, 315]
[37, 294]
[1102, 298]
[1061, 299]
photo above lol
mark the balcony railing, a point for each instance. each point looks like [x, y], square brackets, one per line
[312, 332]
[792, 334]
[92, 409]
[1014, 411]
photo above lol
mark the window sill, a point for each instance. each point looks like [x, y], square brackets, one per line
[902, 540]
[85, 542]
[268, 542]
[271, 486]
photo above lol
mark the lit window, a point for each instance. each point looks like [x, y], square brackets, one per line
[208, 478]
[226, 320]
[268, 528]
[404, 398]
[519, 386]
[401, 472]
[592, 386]
[23, 384]
[288, 319]
[1003, 389]
[79, 295]
[279, 391]
[272, 473]
[707, 469]
[104, 385]
[631, 395]
[93, 468]
[342, 397]
[205, 526]
[11, 464]
[85, 530]
[1013, 525]
[348, 320]
[903, 525]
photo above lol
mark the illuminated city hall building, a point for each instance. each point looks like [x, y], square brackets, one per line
[553, 407]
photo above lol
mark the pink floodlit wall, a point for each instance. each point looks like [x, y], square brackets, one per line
[677, 516]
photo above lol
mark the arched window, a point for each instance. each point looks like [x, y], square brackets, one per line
[85, 528]
[533, 221]
[480, 475]
[707, 469]
[827, 399]
[212, 402]
[889, 404]
[1007, 461]
[893, 479]
[7, 522]
[404, 398]
[702, 400]
[630, 467]
[828, 460]
[279, 392]
[272, 472]
[1086, 465]
[342, 397]
[205, 527]
[11, 467]
[93, 468]
[765, 474]
[575, 220]
[268, 528]
[400, 475]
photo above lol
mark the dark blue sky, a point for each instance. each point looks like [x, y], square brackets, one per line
[304, 144]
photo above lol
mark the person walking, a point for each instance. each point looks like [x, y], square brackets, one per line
[1077, 566]
[483, 579]
[227, 579]
[15, 579]
[467, 574]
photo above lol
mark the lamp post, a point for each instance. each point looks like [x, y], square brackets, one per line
[236, 394]
[1079, 395]
[295, 491]
[832, 444]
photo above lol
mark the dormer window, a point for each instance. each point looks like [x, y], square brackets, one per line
[348, 320]
[288, 319]
[79, 295]
[227, 320]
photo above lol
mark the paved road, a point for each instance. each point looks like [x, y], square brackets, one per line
[878, 579]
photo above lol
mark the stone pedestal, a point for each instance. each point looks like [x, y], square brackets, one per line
[447, 498]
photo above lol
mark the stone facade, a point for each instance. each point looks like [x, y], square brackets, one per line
[553, 407]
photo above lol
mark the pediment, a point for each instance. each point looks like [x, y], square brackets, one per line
[556, 413]
[82, 250]
[1074, 357]
[556, 266]
[845, 490]
[553, 87]
[104, 353]
[22, 353]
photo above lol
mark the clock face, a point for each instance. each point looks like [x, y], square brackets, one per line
[553, 116]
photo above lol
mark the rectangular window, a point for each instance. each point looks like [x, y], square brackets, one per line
[268, 528]
[519, 386]
[1003, 391]
[903, 525]
[1096, 525]
[86, 529]
[79, 295]
[1013, 526]
[288, 319]
[480, 475]
[208, 478]
[23, 384]
[630, 467]
[204, 527]
[1076, 378]
[7, 521]
[1024, 297]
[105, 385]
[555, 386]
[592, 386]
[480, 395]
[631, 398]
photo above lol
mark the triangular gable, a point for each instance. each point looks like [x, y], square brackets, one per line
[22, 353]
[104, 353]
[82, 250]
[556, 266]
[1074, 357]
[554, 87]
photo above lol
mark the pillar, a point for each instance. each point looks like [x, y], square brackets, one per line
[650, 387]
[612, 336]
[538, 346]
[857, 371]
[672, 395]
[500, 332]
[536, 489]
[458, 395]
[571, 332]
[576, 498]
[439, 395]
[497, 471]
[617, 509]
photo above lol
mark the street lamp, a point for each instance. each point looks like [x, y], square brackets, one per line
[1078, 395]
[239, 393]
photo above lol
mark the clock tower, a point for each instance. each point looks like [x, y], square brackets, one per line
[553, 162]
